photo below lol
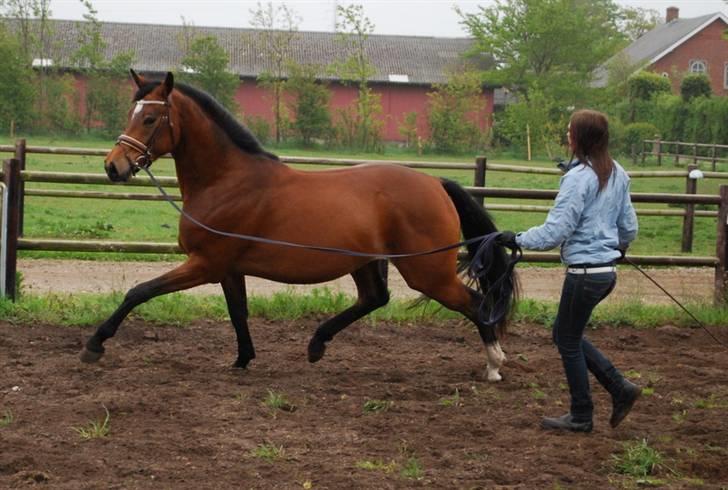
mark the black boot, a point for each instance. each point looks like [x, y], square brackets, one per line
[566, 422]
[622, 404]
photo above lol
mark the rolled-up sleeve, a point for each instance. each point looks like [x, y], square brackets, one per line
[627, 221]
[562, 219]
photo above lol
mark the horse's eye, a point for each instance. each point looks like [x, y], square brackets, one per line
[149, 120]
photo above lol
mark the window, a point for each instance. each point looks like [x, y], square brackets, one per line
[725, 76]
[698, 66]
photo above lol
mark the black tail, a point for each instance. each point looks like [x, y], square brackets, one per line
[475, 221]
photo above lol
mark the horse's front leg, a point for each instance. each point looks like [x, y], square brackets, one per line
[188, 275]
[233, 285]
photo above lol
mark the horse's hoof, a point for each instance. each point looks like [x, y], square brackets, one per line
[89, 356]
[241, 364]
[316, 350]
[493, 375]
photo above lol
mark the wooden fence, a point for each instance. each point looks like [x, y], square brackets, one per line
[15, 176]
[659, 149]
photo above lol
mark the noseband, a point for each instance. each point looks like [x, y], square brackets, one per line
[145, 159]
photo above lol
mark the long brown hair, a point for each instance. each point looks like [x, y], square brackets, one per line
[589, 132]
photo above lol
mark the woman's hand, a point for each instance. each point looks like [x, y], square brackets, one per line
[506, 239]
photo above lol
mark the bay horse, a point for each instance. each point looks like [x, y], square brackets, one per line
[229, 182]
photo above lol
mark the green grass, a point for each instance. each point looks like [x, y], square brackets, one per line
[48, 217]
[96, 429]
[278, 401]
[376, 406]
[452, 401]
[7, 419]
[268, 452]
[640, 461]
[180, 309]
[413, 469]
[377, 465]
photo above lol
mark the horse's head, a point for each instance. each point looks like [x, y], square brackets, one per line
[150, 130]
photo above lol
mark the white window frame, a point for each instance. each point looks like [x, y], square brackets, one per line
[695, 63]
[725, 76]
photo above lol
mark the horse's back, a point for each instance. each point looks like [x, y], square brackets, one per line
[397, 201]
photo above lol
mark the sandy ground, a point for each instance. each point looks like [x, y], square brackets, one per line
[75, 276]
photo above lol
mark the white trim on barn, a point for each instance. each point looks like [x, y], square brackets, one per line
[395, 78]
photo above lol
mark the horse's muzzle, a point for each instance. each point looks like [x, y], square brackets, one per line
[115, 176]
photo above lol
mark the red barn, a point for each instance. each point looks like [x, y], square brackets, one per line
[406, 67]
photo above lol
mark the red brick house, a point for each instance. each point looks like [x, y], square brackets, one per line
[681, 46]
[407, 67]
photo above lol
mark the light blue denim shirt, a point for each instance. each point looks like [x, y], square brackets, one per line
[589, 225]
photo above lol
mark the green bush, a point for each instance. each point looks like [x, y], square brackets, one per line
[260, 127]
[644, 85]
[634, 135]
[671, 114]
[695, 85]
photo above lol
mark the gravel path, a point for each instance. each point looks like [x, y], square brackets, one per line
[77, 276]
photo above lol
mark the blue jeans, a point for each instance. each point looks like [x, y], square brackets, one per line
[580, 294]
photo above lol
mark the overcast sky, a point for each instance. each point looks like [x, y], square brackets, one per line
[406, 17]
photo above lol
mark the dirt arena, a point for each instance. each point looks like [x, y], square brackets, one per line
[390, 406]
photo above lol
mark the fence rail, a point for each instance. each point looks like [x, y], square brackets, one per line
[657, 146]
[15, 176]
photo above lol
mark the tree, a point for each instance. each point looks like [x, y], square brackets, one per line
[634, 22]
[454, 109]
[361, 125]
[277, 33]
[32, 18]
[557, 43]
[310, 103]
[16, 95]
[107, 92]
[205, 65]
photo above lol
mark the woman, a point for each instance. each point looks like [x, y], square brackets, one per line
[594, 222]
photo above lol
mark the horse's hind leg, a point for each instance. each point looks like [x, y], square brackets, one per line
[371, 287]
[233, 285]
[187, 275]
[444, 286]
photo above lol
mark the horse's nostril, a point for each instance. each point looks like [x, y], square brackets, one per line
[111, 171]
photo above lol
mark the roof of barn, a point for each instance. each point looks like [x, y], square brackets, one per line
[424, 60]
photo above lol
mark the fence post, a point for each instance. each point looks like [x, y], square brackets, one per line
[721, 268]
[658, 149]
[20, 155]
[712, 156]
[677, 153]
[479, 178]
[695, 153]
[11, 176]
[691, 187]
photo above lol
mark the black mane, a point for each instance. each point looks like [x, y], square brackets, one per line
[237, 132]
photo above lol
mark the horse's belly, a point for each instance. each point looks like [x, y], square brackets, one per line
[302, 268]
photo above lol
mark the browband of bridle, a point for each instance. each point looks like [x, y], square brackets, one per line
[145, 159]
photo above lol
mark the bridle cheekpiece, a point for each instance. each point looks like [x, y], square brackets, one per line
[145, 159]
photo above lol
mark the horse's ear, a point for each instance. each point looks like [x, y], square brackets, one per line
[137, 79]
[168, 83]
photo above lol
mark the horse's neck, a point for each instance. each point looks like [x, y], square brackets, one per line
[205, 157]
